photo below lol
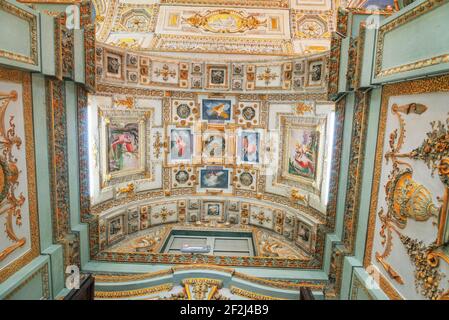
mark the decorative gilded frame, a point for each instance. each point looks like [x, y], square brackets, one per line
[314, 62]
[222, 67]
[218, 218]
[302, 244]
[227, 136]
[320, 127]
[396, 23]
[239, 136]
[195, 140]
[257, 76]
[32, 21]
[420, 86]
[124, 231]
[142, 118]
[24, 79]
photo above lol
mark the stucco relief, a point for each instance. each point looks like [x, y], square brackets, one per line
[409, 242]
[119, 66]
[19, 239]
[208, 27]
[139, 232]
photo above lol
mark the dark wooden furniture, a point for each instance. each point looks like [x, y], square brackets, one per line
[305, 294]
[86, 290]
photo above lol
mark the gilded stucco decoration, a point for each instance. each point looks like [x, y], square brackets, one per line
[224, 21]
[20, 236]
[195, 146]
[202, 114]
[32, 21]
[312, 24]
[215, 283]
[116, 66]
[135, 18]
[208, 27]
[409, 16]
[410, 172]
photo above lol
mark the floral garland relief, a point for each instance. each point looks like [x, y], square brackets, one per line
[408, 199]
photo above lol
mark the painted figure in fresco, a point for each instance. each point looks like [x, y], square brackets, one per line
[214, 179]
[250, 152]
[180, 144]
[115, 227]
[303, 161]
[216, 109]
[211, 179]
[303, 158]
[123, 148]
[213, 210]
[214, 146]
[304, 233]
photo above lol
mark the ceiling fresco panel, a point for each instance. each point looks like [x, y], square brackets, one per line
[211, 28]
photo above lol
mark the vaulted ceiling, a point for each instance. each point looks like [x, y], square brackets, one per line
[212, 115]
[210, 27]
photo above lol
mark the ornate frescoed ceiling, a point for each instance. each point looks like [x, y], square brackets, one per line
[209, 27]
[242, 146]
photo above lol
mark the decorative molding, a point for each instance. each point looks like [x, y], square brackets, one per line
[32, 58]
[133, 293]
[59, 183]
[83, 140]
[251, 295]
[340, 108]
[358, 285]
[232, 3]
[359, 59]
[334, 65]
[356, 161]
[43, 272]
[396, 23]
[214, 44]
[89, 44]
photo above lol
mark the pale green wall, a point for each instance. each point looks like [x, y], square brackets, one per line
[28, 282]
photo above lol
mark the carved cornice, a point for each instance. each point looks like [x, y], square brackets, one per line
[133, 293]
[232, 3]
[251, 295]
